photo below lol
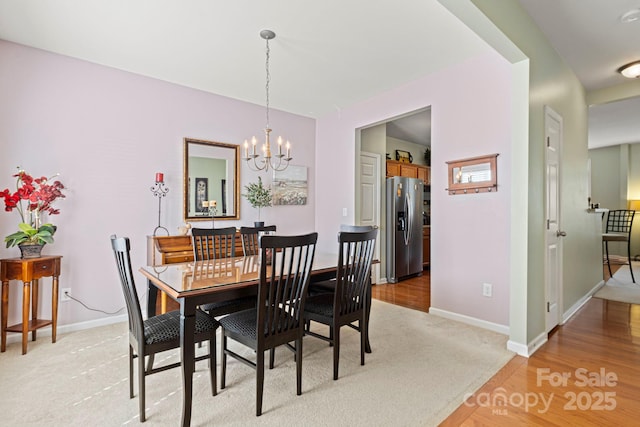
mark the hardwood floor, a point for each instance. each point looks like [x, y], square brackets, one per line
[587, 374]
[414, 293]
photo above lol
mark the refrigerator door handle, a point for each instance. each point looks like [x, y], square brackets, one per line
[407, 233]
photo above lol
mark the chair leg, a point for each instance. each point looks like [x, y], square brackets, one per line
[272, 358]
[223, 361]
[212, 363]
[633, 279]
[606, 247]
[259, 381]
[130, 372]
[299, 366]
[150, 362]
[363, 338]
[336, 350]
[141, 386]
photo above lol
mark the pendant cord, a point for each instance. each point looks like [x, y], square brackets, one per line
[268, 81]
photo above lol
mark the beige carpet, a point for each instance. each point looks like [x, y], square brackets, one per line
[620, 287]
[419, 371]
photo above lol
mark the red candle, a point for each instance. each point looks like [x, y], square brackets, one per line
[159, 177]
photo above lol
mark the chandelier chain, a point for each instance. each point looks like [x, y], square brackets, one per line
[268, 80]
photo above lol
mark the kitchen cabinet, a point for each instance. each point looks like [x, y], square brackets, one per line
[395, 168]
[426, 245]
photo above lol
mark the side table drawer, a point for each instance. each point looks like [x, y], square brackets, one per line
[44, 268]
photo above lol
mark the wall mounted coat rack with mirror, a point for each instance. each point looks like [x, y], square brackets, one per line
[473, 175]
[211, 172]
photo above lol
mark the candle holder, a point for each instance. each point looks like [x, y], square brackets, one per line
[159, 190]
[213, 210]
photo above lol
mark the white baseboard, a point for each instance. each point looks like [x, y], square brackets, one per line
[64, 329]
[495, 327]
[534, 345]
[541, 339]
[582, 301]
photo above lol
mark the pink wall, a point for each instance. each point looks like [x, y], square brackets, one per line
[107, 132]
[469, 233]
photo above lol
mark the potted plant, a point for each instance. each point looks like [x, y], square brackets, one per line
[32, 198]
[259, 197]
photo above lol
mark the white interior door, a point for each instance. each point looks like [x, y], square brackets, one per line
[553, 232]
[369, 203]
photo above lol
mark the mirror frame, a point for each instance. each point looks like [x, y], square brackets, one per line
[185, 188]
[478, 186]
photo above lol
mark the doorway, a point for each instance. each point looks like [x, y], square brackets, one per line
[408, 135]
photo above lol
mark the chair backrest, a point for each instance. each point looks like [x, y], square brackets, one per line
[285, 271]
[249, 236]
[213, 243]
[620, 221]
[121, 248]
[354, 270]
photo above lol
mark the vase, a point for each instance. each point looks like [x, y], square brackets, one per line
[258, 223]
[30, 250]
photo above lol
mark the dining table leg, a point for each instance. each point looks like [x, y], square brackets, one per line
[187, 349]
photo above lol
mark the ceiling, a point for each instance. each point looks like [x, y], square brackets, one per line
[592, 38]
[326, 55]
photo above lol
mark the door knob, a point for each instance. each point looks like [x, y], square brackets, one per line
[561, 233]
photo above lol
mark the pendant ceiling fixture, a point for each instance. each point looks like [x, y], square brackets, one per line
[278, 161]
[630, 71]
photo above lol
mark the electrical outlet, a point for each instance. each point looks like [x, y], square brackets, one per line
[487, 289]
[344, 211]
[64, 294]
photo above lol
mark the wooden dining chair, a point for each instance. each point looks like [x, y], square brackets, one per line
[329, 286]
[618, 229]
[349, 301]
[250, 244]
[213, 243]
[157, 333]
[219, 244]
[285, 268]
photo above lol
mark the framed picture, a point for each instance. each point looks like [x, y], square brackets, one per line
[290, 186]
[202, 194]
[404, 156]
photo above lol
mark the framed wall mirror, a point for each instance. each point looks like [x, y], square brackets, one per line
[473, 175]
[211, 180]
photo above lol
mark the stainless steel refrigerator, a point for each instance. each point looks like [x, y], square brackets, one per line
[404, 227]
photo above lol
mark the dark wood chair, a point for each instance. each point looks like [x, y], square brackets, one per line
[618, 229]
[157, 333]
[219, 243]
[213, 243]
[349, 302]
[250, 244]
[285, 268]
[329, 286]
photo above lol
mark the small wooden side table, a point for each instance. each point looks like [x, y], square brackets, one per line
[29, 271]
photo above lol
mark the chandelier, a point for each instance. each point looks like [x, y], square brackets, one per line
[277, 162]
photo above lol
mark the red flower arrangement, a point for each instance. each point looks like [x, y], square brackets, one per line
[33, 196]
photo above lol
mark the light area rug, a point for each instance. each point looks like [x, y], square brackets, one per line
[419, 372]
[620, 287]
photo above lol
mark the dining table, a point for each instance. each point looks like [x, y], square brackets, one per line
[196, 283]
